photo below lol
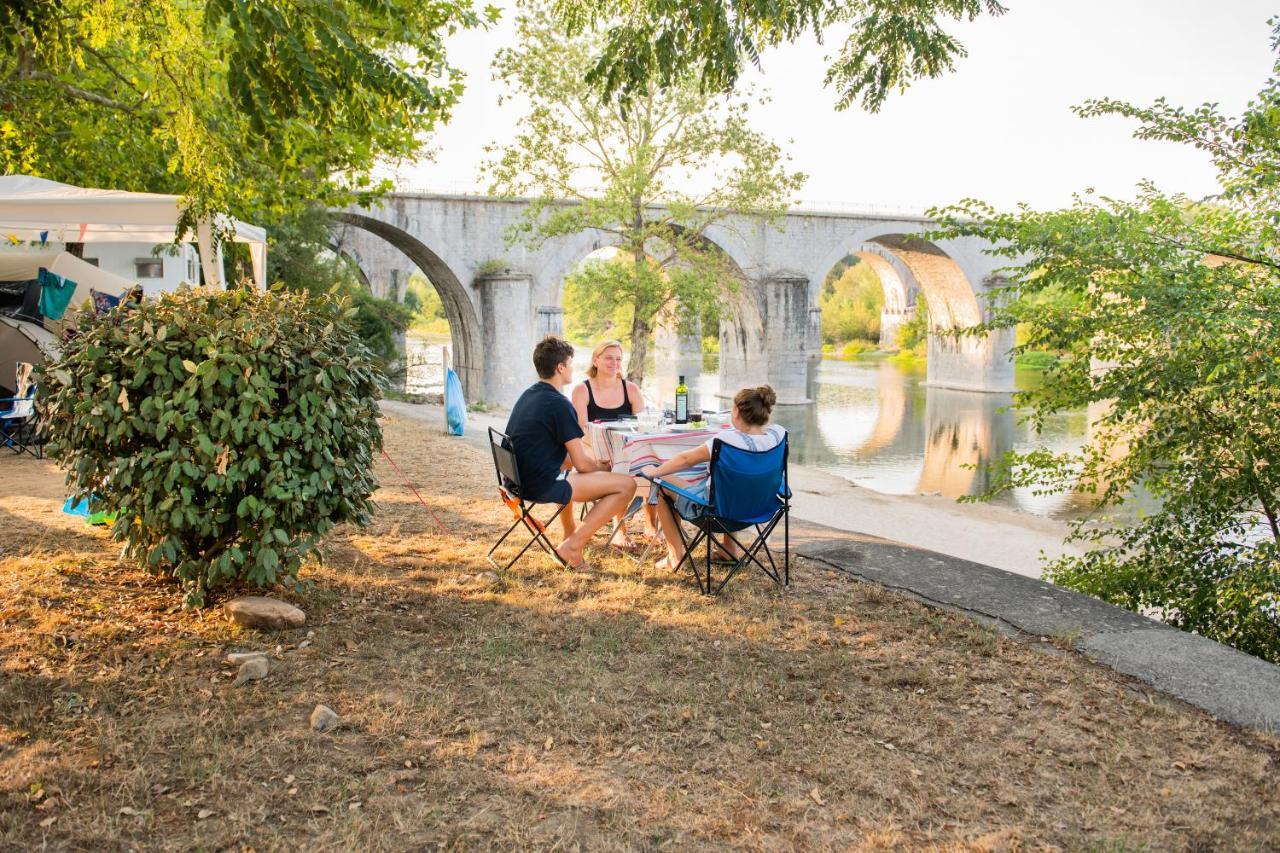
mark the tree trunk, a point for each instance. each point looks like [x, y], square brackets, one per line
[641, 330]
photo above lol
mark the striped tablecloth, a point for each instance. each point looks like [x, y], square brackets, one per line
[630, 452]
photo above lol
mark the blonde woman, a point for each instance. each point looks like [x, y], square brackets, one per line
[607, 395]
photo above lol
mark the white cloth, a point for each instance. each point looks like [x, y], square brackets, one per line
[769, 439]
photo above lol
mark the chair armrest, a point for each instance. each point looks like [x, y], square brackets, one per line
[698, 499]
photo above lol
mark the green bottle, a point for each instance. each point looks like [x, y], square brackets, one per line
[682, 402]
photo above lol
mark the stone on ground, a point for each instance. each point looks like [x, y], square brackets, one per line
[323, 718]
[258, 611]
[254, 669]
[238, 658]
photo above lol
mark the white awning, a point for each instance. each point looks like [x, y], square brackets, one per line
[67, 214]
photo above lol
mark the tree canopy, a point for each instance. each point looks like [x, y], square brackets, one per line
[1168, 312]
[249, 108]
[890, 43]
[588, 163]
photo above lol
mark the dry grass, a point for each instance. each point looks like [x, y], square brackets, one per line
[618, 709]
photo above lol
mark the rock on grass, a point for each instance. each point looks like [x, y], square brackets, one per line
[254, 669]
[258, 611]
[323, 719]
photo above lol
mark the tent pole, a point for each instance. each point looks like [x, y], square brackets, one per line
[210, 260]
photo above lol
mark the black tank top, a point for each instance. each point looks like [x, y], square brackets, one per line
[596, 412]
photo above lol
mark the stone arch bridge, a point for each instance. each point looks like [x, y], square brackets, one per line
[501, 298]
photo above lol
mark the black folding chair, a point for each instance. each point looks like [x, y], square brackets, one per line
[746, 490]
[504, 465]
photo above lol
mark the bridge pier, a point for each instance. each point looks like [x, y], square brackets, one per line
[770, 338]
[509, 325]
[971, 362]
[891, 321]
[678, 354]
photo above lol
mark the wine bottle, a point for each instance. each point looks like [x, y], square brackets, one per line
[682, 402]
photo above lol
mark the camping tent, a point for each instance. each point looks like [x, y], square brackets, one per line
[33, 339]
[35, 209]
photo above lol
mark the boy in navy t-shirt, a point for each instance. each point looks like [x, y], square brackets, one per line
[547, 439]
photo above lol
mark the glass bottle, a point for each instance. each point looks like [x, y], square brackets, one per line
[682, 402]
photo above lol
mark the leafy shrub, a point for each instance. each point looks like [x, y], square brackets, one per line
[913, 335]
[856, 348]
[301, 260]
[1036, 360]
[230, 430]
[1166, 310]
[426, 308]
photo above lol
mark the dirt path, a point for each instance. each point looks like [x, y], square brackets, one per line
[610, 710]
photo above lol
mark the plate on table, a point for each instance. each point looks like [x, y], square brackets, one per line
[686, 427]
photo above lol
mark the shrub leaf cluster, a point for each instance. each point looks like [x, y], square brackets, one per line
[228, 430]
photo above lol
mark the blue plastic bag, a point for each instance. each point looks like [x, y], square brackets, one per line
[455, 405]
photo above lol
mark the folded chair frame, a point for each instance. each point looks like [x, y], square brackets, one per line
[508, 474]
[523, 510]
[20, 433]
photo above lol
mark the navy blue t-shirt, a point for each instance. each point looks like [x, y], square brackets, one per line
[541, 421]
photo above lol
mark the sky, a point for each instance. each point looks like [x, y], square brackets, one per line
[998, 128]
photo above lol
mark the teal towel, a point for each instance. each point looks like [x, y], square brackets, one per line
[55, 294]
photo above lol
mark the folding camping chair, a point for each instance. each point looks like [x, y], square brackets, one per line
[746, 489]
[504, 465]
[19, 418]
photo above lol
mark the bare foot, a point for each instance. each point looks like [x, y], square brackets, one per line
[669, 562]
[622, 541]
[571, 556]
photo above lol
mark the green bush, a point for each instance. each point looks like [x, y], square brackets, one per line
[856, 348]
[1036, 360]
[229, 430]
[913, 335]
[425, 307]
[301, 260]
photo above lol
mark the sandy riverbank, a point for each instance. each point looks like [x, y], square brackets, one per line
[991, 535]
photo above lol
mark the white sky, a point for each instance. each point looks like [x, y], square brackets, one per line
[999, 128]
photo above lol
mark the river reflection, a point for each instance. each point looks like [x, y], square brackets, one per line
[878, 425]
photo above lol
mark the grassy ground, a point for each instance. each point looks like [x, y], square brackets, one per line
[548, 709]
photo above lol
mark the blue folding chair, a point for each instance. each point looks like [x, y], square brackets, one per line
[747, 490]
[19, 417]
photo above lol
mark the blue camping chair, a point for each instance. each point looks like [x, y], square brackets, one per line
[747, 489]
[504, 465]
[19, 417]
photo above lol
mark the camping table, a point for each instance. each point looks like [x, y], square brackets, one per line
[630, 452]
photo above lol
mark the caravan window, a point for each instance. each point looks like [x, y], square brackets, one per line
[148, 267]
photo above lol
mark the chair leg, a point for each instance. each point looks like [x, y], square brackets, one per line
[536, 535]
[498, 544]
[750, 556]
[786, 545]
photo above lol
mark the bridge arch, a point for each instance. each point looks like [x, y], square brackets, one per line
[674, 354]
[952, 275]
[952, 294]
[464, 326]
